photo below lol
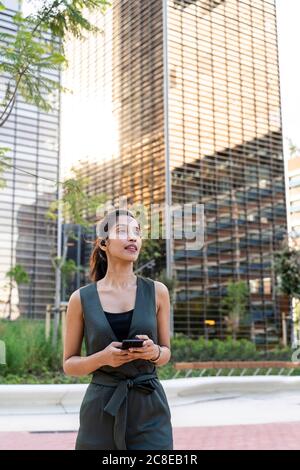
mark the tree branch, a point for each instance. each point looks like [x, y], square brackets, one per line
[13, 97]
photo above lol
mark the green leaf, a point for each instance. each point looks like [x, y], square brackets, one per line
[18, 18]
[27, 54]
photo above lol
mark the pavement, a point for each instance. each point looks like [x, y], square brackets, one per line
[274, 436]
[238, 413]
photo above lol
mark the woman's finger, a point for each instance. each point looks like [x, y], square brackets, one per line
[142, 349]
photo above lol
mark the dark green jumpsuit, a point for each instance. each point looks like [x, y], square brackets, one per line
[124, 407]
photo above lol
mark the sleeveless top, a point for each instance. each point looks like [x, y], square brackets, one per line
[98, 332]
[140, 374]
[120, 323]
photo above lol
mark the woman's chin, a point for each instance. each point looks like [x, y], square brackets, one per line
[130, 255]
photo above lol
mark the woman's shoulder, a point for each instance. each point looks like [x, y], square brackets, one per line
[160, 287]
[78, 292]
[86, 286]
[161, 292]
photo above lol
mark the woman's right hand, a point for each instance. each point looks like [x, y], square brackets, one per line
[114, 356]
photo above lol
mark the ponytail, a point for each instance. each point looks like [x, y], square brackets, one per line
[98, 263]
[98, 258]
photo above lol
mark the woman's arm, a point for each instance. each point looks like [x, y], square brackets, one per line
[73, 363]
[163, 322]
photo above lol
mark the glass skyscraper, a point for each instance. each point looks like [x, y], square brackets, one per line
[179, 102]
[32, 136]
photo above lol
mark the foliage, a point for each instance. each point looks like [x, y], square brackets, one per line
[32, 359]
[35, 47]
[3, 165]
[18, 274]
[27, 350]
[151, 250]
[235, 303]
[63, 16]
[287, 267]
[76, 204]
[68, 268]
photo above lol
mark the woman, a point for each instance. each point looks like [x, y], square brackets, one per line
[125, 406]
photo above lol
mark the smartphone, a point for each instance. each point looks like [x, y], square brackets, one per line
[132, 343]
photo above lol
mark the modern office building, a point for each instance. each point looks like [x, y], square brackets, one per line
[178, 101]
[32, 136]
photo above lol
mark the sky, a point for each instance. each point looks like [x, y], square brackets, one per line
[288, 25]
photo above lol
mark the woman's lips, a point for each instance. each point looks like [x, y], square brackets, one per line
[131, 248]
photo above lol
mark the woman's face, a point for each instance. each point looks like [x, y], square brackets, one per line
[124, 240]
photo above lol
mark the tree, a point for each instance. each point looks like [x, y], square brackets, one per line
[27, 54]
[76, 207]
[68, 269]
[37, 47]
[3, 165]
[150, 256]
[17, 275]
[287, 268]
[235, 303]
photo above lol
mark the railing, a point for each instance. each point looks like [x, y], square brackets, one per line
[243, 366]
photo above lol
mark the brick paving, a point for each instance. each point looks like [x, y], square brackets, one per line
[274, 436]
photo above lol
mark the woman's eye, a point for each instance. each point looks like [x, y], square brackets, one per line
[137, 231]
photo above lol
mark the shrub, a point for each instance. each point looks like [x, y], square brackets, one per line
[27, 349]
[186, 350]
[31, 358]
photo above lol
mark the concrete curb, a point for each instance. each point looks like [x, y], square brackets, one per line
[53, 398]
[66, 398]
[198, 386]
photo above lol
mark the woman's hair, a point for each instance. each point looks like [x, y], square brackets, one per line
[98, 258]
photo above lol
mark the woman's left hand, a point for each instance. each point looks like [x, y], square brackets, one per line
[149, 350]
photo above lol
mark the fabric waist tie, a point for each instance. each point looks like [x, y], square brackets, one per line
[117, 404]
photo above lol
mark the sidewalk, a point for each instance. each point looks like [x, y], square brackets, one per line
[275, 436]
[207, 413]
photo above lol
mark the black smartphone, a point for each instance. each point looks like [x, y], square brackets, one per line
[132, 343]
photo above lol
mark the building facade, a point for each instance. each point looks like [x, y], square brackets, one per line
[25, 240]
[179, 102]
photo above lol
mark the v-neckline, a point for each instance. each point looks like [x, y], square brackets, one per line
[133, 313]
